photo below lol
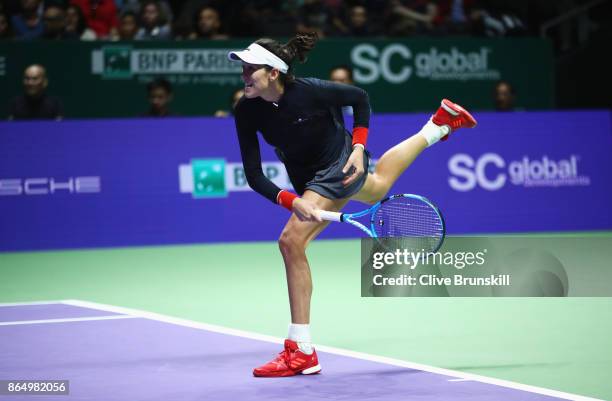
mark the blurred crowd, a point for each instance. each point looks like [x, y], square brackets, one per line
[214, 19]
[36, 104]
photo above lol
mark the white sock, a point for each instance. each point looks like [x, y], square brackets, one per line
[433, 133]
[300, 333]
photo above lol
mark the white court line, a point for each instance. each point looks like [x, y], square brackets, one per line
[459, 380]
[337, 351]
[72, 319]
[30, 303]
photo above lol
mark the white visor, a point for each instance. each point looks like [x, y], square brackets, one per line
[256, 54]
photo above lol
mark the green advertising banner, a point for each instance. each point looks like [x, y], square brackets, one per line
[108, 79]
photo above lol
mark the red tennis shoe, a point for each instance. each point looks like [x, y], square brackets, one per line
[454, 116]
[290, 362]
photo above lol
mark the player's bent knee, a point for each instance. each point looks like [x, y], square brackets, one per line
[290, 241]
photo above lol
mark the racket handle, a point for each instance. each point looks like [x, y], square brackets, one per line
[330, 216]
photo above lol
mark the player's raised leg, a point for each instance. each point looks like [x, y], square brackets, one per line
[448, 118]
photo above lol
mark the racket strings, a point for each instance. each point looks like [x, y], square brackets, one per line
[412, 223]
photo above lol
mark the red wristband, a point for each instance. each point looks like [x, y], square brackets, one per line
[360, 135]
[285, 199]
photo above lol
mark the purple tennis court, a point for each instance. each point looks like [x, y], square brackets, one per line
[108, 356]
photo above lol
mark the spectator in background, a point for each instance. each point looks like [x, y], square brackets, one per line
[128, 26]
[76, 27]
[498, 18]
[135, 6]
[154, 24]
[183, 24]
[54, 22]
[314, 16]
[29, 24]
[343, 74]
[207, 25]
[504, 96]
[160, 96]
[236, 96]
[358, 22]
[454, 16]
[35, 103]
[408, 17]
[5, 28]
[101, 16]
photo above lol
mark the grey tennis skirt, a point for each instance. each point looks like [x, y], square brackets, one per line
[328, 181]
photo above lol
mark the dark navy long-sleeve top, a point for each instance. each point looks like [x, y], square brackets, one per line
[305, 126]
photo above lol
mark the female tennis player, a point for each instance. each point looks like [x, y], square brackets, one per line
[302, 119]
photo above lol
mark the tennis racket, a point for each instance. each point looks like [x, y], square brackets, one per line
[411, 219]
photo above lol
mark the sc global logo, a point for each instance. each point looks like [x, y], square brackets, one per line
[396, 63]
[492, 172]
[467, 172]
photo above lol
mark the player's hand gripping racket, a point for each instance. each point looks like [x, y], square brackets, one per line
[412, 219]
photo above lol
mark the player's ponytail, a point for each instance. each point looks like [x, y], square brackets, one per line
[300, 45]
[296, 48]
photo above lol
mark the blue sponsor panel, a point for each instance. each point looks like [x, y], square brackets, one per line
[103, 183]
[515, 172]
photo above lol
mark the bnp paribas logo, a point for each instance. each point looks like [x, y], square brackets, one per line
[117, 62]
[113, 62]
[215, 178]
[123, 62]
[208, 178]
